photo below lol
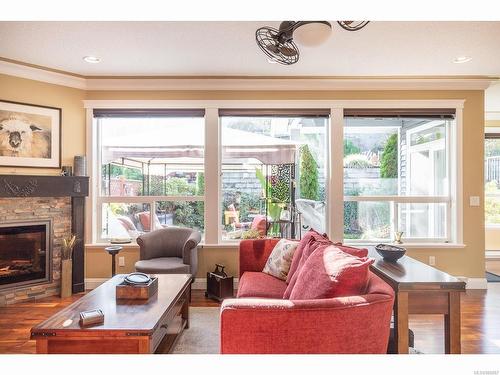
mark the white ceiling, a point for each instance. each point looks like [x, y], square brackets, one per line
[229, 48]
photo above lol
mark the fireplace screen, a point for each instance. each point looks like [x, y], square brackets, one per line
[24, 253]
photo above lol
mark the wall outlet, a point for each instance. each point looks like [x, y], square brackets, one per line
[432, 260]
[121, 261]
[474, 201]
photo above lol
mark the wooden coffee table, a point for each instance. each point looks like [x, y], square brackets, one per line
[130, 326]
[421, 289]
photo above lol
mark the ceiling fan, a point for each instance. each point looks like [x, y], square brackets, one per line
[279, 45]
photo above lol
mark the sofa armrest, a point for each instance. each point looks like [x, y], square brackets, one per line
[358, 324]
[254, 254]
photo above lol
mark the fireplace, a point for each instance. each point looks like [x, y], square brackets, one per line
[25, 253]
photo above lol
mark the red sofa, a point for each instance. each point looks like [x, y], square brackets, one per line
[260, 321]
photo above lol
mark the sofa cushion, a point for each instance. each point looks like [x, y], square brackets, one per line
[278, 263]
[329, 272]
[163, 265]
[261, 285]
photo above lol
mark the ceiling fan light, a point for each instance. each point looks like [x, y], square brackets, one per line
[312, 34]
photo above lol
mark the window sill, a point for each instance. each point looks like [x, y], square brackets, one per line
[234, 245]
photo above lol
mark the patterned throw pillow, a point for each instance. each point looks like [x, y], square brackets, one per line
[280, 259]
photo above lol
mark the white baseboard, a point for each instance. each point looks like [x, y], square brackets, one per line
[200, 283]
[476, 283]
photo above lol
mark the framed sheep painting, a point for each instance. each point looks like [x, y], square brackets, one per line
[30, 135]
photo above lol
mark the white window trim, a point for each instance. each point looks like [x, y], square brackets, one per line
[335, 166]
[494, 130]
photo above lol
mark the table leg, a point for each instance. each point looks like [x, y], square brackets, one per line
[452, 324]
[113, 265]
[42, 346]
[185, 306]
[401, 322]
[144, 345]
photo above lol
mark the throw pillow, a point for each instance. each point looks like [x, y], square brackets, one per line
[278, 263]
[308, 249]
[311, 235]
[329, 272]
[355, 251]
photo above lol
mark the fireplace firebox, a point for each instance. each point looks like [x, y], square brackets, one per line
[25, 253]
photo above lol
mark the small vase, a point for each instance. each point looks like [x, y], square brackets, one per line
[66, 277]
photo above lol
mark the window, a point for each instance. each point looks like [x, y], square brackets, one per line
[396, 177]
[360, 175]
[273, 174]
[492, 179]
[151, 171]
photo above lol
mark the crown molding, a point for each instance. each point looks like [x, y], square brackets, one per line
[42, 75]
[245, 83]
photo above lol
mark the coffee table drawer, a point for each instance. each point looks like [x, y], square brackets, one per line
[165, 325]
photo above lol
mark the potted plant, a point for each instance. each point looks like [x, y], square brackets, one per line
[67, 265]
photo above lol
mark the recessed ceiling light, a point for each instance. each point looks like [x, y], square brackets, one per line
[92, 59]
[462, 59]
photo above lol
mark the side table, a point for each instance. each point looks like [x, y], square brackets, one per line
[113, 250]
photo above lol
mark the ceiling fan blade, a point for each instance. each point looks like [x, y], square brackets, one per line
[273, 48]
[287, 51]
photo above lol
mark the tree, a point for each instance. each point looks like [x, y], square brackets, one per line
[350, 148]
[309, 187]
[389, 160]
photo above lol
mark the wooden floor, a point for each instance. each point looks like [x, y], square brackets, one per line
[480, 322]
[493, 266]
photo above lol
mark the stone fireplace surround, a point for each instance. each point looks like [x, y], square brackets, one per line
[58, 209]
[61, 199]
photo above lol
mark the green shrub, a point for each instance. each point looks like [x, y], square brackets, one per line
[309, 187]
[389, 159]
[350, 148]
[357, 161]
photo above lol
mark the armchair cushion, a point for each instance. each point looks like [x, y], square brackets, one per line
[329, 272]
[163, 265]
[261, 285]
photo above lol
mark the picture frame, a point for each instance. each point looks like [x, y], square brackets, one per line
[30, 135]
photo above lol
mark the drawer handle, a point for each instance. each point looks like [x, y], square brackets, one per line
[164, 326]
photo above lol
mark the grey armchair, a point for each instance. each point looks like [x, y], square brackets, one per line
[169, 250]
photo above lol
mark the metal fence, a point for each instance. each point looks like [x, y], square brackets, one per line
[492, 168]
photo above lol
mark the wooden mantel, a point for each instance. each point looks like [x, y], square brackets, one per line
[76, 187]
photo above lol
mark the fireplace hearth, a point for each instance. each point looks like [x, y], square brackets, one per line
[25, 253]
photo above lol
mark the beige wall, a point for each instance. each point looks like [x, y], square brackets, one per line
[98, 262]
[73, 115]
[468, 261]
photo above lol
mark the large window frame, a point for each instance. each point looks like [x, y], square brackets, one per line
[334, 188]
[101, 200]
[491, 133]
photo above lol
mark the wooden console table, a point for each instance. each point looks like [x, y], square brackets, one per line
[421, 289]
